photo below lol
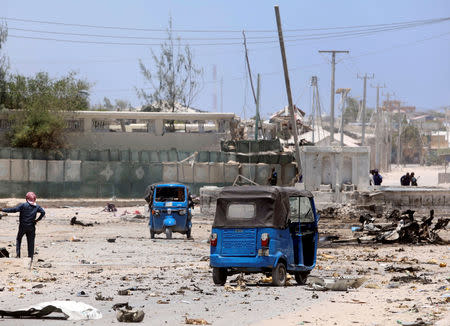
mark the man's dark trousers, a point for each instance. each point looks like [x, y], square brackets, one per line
[30, 232]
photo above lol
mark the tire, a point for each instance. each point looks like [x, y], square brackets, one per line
[279, 275]
[152, 234]
[219, 275]
[301, 277]
[188, 234]
[168, 233]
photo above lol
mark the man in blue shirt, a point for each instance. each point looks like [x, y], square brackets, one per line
[27, 221]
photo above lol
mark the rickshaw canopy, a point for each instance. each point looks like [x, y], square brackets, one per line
[270, 206]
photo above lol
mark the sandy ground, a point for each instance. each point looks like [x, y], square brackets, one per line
[172, 279]
[427, 175]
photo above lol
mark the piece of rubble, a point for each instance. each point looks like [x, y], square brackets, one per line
[333, 284]
[100, 297]
[130, 316]
[71, 310]
[195, 321]
[4, 253]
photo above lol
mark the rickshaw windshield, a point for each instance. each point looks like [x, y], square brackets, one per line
[164, 194]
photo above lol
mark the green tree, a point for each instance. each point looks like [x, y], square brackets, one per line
[351, 110]
[173, 77]
[39, 103]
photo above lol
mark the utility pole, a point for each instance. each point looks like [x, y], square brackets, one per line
[288, 89]
[343, 92]
[378, 127]
[389, 130]
[333, 68]
[221, 94]
[258, 87]
[363, 130]
[399, 146]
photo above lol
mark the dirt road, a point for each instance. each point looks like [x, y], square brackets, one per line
[171, 279]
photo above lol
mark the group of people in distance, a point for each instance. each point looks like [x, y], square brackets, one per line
[408, 179]
[376, 179]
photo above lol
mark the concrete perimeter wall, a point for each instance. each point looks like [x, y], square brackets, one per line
[122, 179]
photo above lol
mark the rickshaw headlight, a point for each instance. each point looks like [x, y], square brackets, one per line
[182, 212]
[155, 212]
[169, 211]
[213, 239]
[265, 240]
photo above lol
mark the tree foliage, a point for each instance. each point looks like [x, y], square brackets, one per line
[351, 110]
[173, 77]
[411, 144]
[39, 102]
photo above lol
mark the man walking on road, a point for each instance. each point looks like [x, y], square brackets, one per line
[27, 222]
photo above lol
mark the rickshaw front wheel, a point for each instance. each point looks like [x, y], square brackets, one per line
[152, 234]
[219, 275]
[168, 233]
[279, 275]
[301, 277]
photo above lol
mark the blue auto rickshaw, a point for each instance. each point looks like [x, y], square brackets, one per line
[263, 229]
[170, 209]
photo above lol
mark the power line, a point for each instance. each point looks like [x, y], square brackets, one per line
[212, 30]
[408, 25]
[291, 40]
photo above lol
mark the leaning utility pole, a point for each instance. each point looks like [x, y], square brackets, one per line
[333, 68]
[363, 131]
[378, 128]
[288, 89]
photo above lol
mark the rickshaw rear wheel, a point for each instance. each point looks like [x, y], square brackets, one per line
[152, 234]
[279, 275]
[168, 233]
[188, 233]
[301, 277]
[219, 275]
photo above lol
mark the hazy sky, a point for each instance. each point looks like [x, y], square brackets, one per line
[414, 63]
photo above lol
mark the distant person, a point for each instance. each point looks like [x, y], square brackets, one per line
[413, 180]
[377, 178]
[371, 174]
[405, 180]
[273, 179]
[27, 222]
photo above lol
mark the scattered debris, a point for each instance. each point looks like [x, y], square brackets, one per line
[240, 284]
[71, 310]
[123, 292]
[410, 269]
[130, 316]
[342, 284]
[38, 286]
[196, 321]
[124, 305]
[100, 297]
[125, 313]
[111, 240]
[4, 253]
[73, 221]
[82, 294]
[135, 216]
[418, 322]
[411, 278]
[403, 228]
